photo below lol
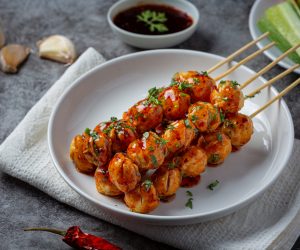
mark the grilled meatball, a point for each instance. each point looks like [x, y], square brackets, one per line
[77, 156]
[193, 161]
[167, 179]
[239, 128]
[143, 199]
[174, 103]
[148, 152]
[144, 115]
[217, 147]
[178, 136]
[123, 173]
[103, 184]
[198, 85]
[121, 133]
[227, 97]
[204, 116]
[97, 148]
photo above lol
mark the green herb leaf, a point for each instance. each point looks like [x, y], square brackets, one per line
[87, 131]
[222, 82]
[147, 185]
[212, 185]
[171, 127]
[225, 99]
[204, 73]
[189, 193]
[151, 148]
[196, 80]
[189, 203]
[213, 158]
[154, 161]
[219, 137]
[194, 118]
[154, 20]
[187, 123]
[222, 116]
[184, 85]
[94, 135]
[114, 119]
[252, 96]
[161, 141]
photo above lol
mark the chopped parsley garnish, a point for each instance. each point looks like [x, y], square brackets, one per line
[151, 148]
[189, 203]
[161, 141]
[153, 96]
[94, 135]
[222, 116]
[154, 20]
[189, 193]
[225, 99]
[146, 135]
[187, 123]
[219, 137]
[114, 119]
[252, 96]
[229, 124]
[171, 127]
[204, 73]
[196, 80]
[212, 117]
[87, 131]
[222, 82]
[147, 185]
[184, 85]
[154, 160]
[183, 94]
[214, 158]
[194, 118]
[234, 83]
[173, 82]
[212, 185]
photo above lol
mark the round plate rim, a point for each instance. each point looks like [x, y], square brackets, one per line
[159, 218]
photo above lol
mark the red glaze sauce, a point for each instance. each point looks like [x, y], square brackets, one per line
[188, 182]
[177, 20]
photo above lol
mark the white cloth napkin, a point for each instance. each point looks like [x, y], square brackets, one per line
[272, 221]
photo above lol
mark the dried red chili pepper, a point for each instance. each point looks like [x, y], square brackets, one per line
[77, 239]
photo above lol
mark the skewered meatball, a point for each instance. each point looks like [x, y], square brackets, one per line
[144, 115]
[167, 179]
[103, 184]
[123, 173]
[148, 152]
[193, 162]
[77, 156]
[143, 199]
[178, 136]
[120, 132]
[204, 116]
[228, 97]
[198, 85]
[239, 128]
[97, 147]
[174, 102]
[217, 147]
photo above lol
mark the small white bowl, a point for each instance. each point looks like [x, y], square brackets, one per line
[153, 41]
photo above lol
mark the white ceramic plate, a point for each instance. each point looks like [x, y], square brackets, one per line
[256, 12]
[113, 87]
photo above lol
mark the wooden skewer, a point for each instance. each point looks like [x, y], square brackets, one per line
[248, 58]
[268, 67]
[282, 93]
[238, 52]
[270, 82]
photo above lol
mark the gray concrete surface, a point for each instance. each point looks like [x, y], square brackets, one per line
[223, 28]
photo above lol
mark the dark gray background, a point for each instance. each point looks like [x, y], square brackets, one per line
[223, 29]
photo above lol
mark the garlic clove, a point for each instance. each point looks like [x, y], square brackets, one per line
[57, 48]
[2, 38]
[12, 56]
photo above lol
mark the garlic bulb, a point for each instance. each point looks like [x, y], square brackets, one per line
[57, 48]
[12, 56]
[2, 38]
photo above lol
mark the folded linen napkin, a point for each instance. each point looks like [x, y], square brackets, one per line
[272, 221]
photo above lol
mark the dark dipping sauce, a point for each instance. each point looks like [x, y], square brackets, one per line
[177, 20]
